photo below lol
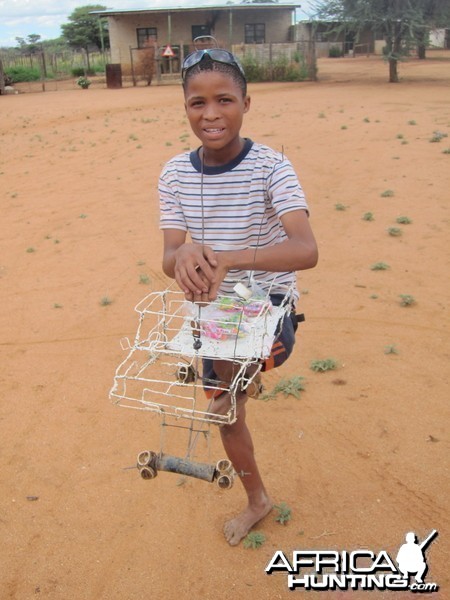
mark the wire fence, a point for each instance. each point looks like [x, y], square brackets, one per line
[51, 71]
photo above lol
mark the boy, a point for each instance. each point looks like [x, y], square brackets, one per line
[244, 209]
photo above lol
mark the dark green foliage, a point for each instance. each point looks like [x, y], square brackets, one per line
[18, 74]
[335, 52]
[279, 70]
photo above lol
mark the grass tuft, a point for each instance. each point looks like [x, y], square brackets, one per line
[284, 513]
[322, 365]
[438, 136]
[255, 539]
[289, 387]
[390, 349]
[407, 300]
[395, 231]
[380, 266]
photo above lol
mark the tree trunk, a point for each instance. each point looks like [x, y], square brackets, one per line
[421, 51]
[393, 72]
[396, 45]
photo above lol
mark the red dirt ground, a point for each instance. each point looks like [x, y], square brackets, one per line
[361, 458]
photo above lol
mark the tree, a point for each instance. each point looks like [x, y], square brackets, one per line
[30, 45]
[401, 22]
[86, 30]
[436, 13]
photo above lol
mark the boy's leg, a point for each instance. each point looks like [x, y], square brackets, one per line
[224, 372]
[238, 445]
[237, 441]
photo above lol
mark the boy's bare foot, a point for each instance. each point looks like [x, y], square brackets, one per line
[237, 528]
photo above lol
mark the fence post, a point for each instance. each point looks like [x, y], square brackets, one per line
[270, 62]
[2, 78]
[42, 69]
[132, 67]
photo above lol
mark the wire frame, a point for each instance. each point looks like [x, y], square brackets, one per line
[163, 370]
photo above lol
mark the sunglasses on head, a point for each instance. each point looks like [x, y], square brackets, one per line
[215, 54]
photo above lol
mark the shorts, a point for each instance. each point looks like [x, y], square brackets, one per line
[281, 349]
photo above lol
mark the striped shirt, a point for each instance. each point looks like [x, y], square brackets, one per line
[241, 207]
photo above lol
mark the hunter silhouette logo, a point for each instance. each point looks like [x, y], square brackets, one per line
[411, 558]
[359, 569]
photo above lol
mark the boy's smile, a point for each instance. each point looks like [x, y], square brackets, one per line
[215, 108]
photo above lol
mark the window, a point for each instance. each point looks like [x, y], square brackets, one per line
[255, 33]
[144, 34]
[198, 30]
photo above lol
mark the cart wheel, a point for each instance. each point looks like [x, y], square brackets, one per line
[144, 458]
[148, 472]
[224, 466]
[225, 482]
[186, 373]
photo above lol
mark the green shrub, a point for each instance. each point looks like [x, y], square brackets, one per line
[320, 366]
[81, 71]
[280, 69]
[335, 52]
[407, 300]
[253, 71]
[380, 266]
[18, 74]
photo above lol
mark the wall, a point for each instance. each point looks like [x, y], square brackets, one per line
[122, 28]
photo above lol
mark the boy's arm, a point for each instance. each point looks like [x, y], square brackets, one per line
[191, 265]
[297, 253]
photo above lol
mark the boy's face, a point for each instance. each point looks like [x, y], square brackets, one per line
[215, 108]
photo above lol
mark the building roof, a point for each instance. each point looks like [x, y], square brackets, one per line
[223, 7]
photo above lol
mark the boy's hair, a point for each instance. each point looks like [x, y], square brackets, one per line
[207, 64]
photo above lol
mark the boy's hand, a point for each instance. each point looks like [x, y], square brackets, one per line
[195, 270]
[220, 272]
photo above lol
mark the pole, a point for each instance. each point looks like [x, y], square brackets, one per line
[42, 71]
[2, 78]
[132, 67]
[102, 41]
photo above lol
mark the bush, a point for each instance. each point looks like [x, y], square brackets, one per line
[335, 52]
[253, 71]
[18, 74]
[280, 70]
[81, 72]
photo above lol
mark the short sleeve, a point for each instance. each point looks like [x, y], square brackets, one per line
[171, 214]
[284, 189]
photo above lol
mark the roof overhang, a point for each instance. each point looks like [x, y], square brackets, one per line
[175, 9]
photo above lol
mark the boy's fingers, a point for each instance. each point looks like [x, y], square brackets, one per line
[210, 256]
[205, 268]
[195, 279]
[184, 281]
[213, 291]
